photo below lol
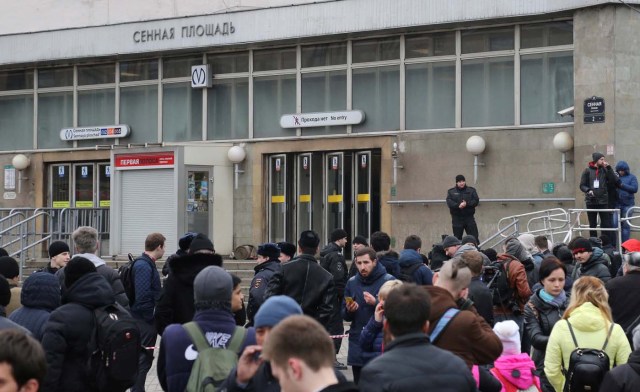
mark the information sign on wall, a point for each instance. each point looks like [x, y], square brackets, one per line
[594, 110]
[324, 119]
[99, 132]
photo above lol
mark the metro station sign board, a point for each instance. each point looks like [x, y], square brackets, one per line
[144, 160]
[99, 132]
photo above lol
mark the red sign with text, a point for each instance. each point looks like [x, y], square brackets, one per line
[144, 160]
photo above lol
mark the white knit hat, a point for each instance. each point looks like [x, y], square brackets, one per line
[508, 333]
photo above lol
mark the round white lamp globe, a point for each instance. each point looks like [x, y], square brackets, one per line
[476, 145]
[236, 154]
[21, 162]
[563, 141]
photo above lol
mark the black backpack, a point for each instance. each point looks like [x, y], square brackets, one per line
[406, 273]
[496, 277]
[126, 276]
[587, 366]
[115, 347]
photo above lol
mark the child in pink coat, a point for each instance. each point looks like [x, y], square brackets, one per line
[515, 370]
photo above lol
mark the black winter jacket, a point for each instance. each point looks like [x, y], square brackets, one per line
[539, 319]
[40, 296]
[482, 299]
[596, 266]
[412, 363]
[624, 298]
[624, 378]
[332, 260]
[175, 304]
[455, 196]
[264, 272]
[605, 176]
[68, 333]
[310, 285]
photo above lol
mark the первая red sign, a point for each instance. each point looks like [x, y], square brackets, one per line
[141, 160]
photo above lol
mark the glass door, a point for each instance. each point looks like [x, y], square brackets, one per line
[363, 198]
[104, 185]
[277, 198]
[304, 204]
[84, 185]
[334, 192]
[199, 202]
[60, 189]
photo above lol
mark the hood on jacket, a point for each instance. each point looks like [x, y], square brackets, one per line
[441, 300]
[622, 165]
[186, 268]
[91, 290]
[41, 290]
[588, 318]
[529, 242]
[387, 254]
[596, 257]
[273, 265]
[464, 248]
[506, 365]
[329, 248]
[409, 257]
[92, 258]
[377, 272]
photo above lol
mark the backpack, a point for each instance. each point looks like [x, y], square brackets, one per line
[587, 366]
[213, 364]
[115, 347]
[442, 324]
[508, 387]
[126, 276]
[497, 279]
[406, 273]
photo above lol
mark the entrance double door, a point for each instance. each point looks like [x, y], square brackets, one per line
[323, 191]
[79, 185]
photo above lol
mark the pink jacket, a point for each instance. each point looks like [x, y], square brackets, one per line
[515, 372]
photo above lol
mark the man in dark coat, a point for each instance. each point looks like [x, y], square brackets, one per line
[462, 201]
[479, 293]
[68, 332]
[589, 260]
[59, 256]
[85, 239]
[595, 182]
[40, 296]
[268, 264]
[304, 280]
[332, 259]
[412, 267]
[410, 362]
[625, 196]
[624, 292]
[625, 378]
[175, 304]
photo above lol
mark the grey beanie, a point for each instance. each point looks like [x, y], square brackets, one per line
[596, 156]
[212, 284]
[276, 309]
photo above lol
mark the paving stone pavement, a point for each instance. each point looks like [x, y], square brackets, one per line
[153, 385]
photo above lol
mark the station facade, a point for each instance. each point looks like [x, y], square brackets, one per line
[352, 113]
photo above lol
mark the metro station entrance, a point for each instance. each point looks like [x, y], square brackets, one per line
[323, 191]
[79, 185]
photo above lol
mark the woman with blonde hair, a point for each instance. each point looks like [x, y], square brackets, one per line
[588, 316]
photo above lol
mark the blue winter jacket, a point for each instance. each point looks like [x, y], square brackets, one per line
[389, 259]
[627, 188]
[355, 288]
[39, 297]
[147, 288]
[421, 276]
[371, 340]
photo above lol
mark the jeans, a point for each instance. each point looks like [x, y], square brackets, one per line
[625, 228]
[148, 337]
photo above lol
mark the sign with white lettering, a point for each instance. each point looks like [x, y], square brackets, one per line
[161, 159]
[594, 110]
[201, 76]
[99, 132]
[324, 119]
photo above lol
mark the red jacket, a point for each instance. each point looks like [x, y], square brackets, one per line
[517, 281]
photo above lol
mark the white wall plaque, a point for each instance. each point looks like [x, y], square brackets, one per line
[99, 132]
[306, 120]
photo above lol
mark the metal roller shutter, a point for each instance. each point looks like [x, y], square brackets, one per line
[148, 205]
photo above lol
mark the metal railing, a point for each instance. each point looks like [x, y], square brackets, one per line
[26, 232]
[577, 224]
[550, 222]
[531, 200]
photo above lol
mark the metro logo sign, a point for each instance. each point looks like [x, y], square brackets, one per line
[144, 160]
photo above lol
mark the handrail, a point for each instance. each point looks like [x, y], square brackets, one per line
[499, 233]
[22, 225]
[519, 200]
[577, 226]
[10, 216]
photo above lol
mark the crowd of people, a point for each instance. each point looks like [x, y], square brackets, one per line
[531, 316]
